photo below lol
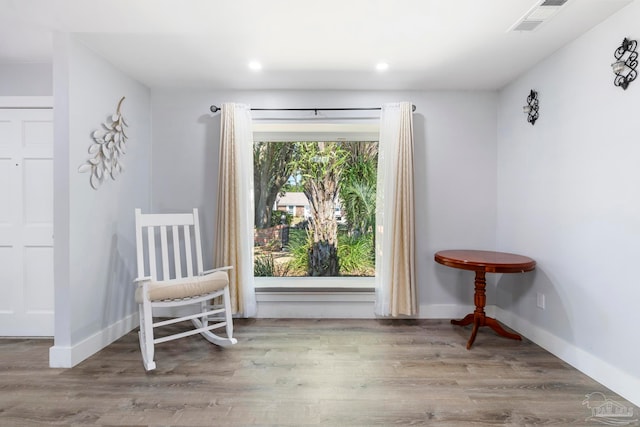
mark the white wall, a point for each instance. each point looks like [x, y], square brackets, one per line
[32, 79]
[94, 230]
[455, 165]
[569, 196]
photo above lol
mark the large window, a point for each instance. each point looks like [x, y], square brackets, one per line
[315, 205]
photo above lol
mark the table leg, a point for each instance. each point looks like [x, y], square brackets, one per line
[493, 324]
[474, 332]
[478, 317]
[468, 319]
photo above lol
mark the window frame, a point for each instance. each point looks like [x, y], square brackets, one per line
[362, 130]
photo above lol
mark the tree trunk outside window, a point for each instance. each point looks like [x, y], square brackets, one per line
[272, 168]
[321, 164]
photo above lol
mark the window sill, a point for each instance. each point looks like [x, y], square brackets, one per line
[314, 284]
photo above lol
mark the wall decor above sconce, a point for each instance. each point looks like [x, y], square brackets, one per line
[109, 145]
[626, 62]
[531, 109]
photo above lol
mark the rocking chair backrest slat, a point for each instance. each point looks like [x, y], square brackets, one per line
[139, 246]
[187, 248]
[196, 226]
[151, 248]
[165, 252]
[139, 253]
[176, 251]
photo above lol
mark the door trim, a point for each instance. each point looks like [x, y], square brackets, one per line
[30, 102]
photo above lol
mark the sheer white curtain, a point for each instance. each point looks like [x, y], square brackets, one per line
[234, 226]
[395, 229]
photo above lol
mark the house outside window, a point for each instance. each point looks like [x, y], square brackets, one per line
[295, 203]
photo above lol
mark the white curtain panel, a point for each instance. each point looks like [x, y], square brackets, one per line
[395, 228]
[234, 226]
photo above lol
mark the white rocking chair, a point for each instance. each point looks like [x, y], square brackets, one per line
[179, 280]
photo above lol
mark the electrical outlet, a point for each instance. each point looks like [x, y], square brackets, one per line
[541, 301]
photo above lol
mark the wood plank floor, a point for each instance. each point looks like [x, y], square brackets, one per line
[303, 373]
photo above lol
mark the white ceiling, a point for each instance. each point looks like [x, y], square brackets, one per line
[302, 44]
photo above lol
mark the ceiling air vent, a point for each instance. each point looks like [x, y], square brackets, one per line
[553, 2]
[526, 25]
[537, 15]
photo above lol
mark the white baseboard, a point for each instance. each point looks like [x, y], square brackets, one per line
[449, 311]
[608, 375]
[68, 357]
[343, 305]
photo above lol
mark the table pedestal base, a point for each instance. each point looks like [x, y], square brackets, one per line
[478, 318]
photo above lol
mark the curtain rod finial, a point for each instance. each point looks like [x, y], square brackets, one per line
[214, 109]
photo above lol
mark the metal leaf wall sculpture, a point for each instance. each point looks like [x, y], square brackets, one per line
[627, 61]
[532, 107]
[108, 147]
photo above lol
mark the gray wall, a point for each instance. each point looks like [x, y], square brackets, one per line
[569, 196]
[455, 164]
[94, 230]
[26, 79]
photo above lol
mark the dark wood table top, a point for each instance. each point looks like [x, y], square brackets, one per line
[487, 261]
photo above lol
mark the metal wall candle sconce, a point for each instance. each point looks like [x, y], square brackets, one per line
[531, 109]
[626, 62]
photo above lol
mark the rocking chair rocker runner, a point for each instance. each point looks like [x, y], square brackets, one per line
[178, 281]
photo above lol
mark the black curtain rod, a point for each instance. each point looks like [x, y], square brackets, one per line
[215, 109]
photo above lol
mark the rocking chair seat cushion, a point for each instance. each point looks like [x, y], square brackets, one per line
[187, 287]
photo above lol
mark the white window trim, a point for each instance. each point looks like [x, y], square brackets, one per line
[314, 284]
[316, 131]
[362, 288]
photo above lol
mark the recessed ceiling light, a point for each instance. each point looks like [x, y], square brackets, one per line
[255, 66]
[382, 66]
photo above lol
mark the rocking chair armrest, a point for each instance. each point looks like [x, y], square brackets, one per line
[139, 280]
[228, 267]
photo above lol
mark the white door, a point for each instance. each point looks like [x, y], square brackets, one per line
[26, 222]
